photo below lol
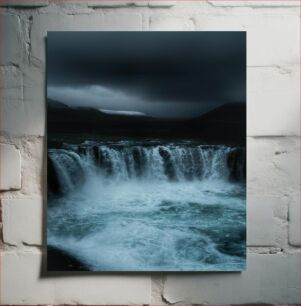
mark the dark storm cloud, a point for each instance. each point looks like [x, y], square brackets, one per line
[179, 68]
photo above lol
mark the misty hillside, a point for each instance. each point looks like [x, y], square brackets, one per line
[225, 123]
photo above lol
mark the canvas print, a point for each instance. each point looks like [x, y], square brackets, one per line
[146, 160]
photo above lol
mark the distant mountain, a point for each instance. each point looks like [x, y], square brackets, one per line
[225, 123]
[230, 112]
[56, 104]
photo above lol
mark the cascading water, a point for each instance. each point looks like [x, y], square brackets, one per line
[148, 206]
[153, 162]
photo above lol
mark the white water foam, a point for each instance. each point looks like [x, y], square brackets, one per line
[148, 218]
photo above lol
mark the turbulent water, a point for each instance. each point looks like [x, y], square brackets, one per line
[130, 206]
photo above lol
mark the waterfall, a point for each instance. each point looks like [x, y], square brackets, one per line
[148, 206]
[159, 162]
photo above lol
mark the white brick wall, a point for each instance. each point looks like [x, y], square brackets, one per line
[10, 167]
[261, 283]
[273, 151]
[23, 219]
[13, 45]
[294, 220]
[24, 283]
[24, 3]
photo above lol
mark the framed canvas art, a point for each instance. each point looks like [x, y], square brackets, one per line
[146, 160]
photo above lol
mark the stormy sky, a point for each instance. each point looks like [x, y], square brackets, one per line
[160, 74]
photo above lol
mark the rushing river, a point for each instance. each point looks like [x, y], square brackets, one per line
[152, 206]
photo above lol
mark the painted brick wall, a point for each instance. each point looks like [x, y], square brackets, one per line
[273, 273]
